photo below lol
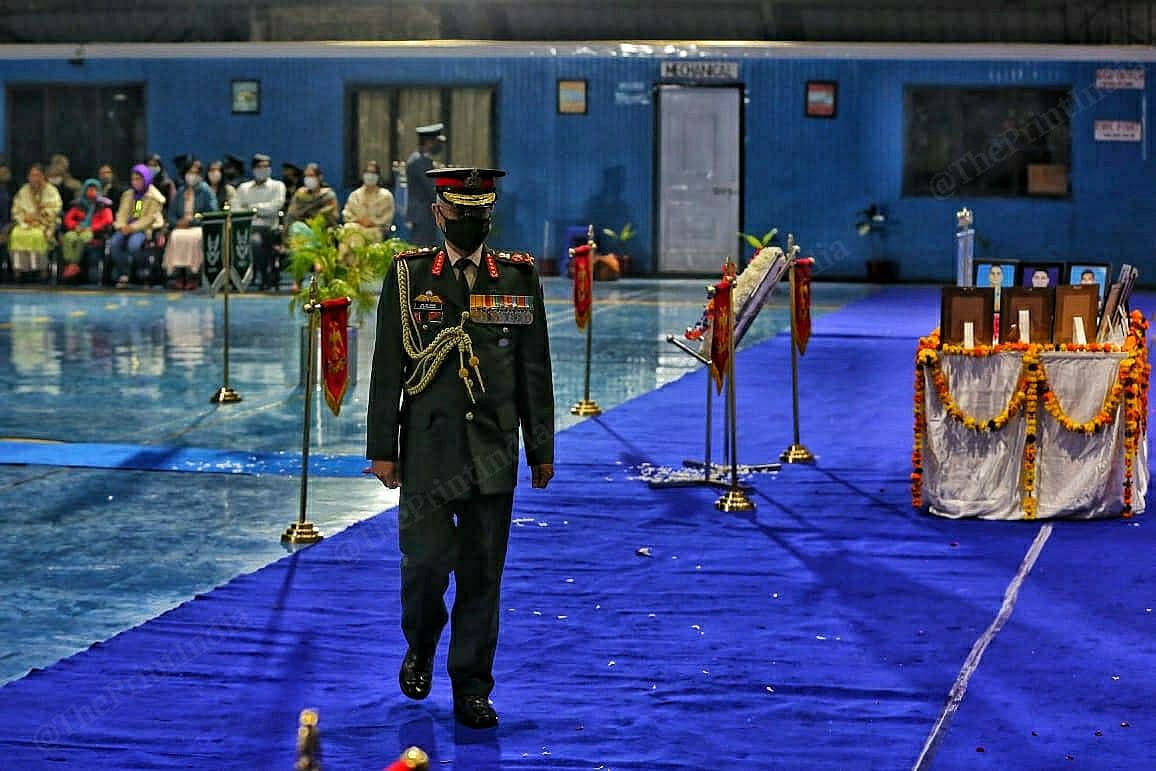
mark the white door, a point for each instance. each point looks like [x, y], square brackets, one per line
[698, 177]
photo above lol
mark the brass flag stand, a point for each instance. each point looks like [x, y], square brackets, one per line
[797, 452]
[735, 498]
[303, 531]
[587, 407]
[225, 394]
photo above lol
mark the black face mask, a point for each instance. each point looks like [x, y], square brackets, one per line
[467, 233]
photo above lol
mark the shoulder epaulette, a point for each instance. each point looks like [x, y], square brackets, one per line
[413, 254]
[517, 258]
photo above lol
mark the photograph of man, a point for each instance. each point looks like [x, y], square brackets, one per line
[1039, 275]
[1090, 273]
[995, 274]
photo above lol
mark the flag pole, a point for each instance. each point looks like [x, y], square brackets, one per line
[303, 531]
[797, 452]
[225, 394]
[735, 498]
[587, 407]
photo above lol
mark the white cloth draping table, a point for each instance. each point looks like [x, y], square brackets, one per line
[977, 473]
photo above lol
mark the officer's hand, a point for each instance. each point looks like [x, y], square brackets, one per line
[386, 471]
[542, 474]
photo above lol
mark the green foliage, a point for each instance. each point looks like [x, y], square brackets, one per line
[621, 236]
[757, 243]
[342, 263]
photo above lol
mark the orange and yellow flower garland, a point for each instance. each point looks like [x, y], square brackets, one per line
[1129, 388]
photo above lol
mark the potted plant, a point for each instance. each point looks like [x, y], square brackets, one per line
[611, 266]
[344, 265]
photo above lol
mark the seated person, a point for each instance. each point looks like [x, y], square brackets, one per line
[141, 214]
[183, 252]
[223, 192]
[266, 197]
[89, 216]
[110, 186]
[368, 212]
[313, 198]
[35, 218]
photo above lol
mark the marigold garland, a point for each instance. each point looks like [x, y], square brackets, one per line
[1129, 389]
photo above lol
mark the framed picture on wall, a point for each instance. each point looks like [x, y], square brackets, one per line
[571, 97]
[1039, 302]
[822, 98]
[1076, 301]
[959, 305]
[246, 97]
[1040, 274]
[1084, 273]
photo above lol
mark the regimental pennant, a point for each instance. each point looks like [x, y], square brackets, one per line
[501, 309]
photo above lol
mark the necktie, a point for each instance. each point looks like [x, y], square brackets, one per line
[463, 279]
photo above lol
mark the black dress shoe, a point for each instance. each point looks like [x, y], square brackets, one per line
[416, 675]
[475, 712]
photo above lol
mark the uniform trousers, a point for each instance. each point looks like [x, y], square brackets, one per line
[468, 537]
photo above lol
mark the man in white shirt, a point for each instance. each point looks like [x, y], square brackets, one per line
[267, 197]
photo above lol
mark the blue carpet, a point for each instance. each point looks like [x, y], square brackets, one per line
[824, 630]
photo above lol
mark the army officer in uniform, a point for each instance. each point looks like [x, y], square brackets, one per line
[462, 360]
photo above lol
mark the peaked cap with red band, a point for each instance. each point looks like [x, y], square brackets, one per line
[466, 186]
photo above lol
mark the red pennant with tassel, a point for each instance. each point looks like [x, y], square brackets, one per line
[583, 294]
[335, 350]
[721, 322]
[801, 302]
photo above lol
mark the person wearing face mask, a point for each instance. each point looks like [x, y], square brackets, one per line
[312, 199]
[368, 212]
[265, 196]
[141, 213]
[184, 253]
[160, 179]
[223, 192]
[35, 217]
[110, 186]
[419, 189]
[58, 175]
[461, 361]
[89, 217]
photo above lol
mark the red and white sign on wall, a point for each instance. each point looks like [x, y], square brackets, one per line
[1111, 79]
[1118, 131]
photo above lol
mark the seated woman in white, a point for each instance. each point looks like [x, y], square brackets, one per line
[368, 213]
[183, 252]
[35, 217]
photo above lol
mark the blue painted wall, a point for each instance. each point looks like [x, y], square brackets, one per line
[806, 176]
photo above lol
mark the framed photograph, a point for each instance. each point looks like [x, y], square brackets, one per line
[1076, 301]
[966, 304]
[571, 97]
[822, 99]
[1108, 315]
[1090, 273]
[1039, 302]
[996, 274]
[1127, 281]
[246, 97]
[1040, 274]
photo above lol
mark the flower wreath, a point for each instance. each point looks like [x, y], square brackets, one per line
[1130, 389]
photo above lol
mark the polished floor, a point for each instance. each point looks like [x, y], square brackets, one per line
[88, 551]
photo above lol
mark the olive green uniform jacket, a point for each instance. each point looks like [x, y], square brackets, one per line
[448, 445]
